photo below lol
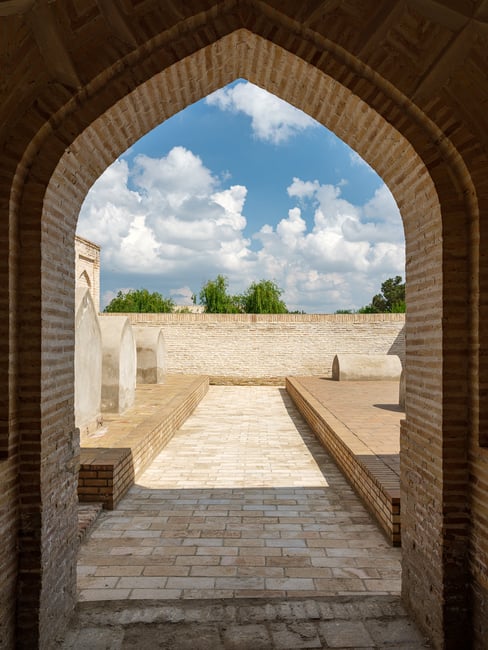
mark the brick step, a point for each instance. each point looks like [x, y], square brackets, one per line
[228, 624]
[87, 515]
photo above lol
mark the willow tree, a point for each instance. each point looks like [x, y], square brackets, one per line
[263, 297]
[215, 299]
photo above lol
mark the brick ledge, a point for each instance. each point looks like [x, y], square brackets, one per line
[376, 484]
[108, 471]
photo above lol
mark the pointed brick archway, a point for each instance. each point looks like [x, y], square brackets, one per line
[437, 187]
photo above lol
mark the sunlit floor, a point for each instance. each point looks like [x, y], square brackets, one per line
[243, 502]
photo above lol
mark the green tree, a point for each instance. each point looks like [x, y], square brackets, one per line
[263, 298]
[140, 301]
[215, 299]
[367, 309]
[399, 307]
[390, 300]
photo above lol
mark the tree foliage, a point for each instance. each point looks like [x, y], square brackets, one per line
[215, 298]
[263, 298]
[140, 301]
[390, 300]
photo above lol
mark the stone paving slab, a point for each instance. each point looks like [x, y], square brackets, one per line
[242, 502]
[336, 622]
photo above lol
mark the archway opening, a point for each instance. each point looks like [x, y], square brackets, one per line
[330, 103]
[244, 185]
[332, 202]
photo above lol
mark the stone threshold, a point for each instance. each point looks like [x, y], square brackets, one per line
[231, 624]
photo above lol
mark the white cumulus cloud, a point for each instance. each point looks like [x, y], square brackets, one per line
[342, 256]
[173, 220]
[272, 119]
[164, 216]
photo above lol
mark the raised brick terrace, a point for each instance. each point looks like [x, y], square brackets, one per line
[359, 424]
[116, 454]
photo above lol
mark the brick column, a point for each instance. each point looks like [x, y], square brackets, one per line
[48, 449]
[434, 469]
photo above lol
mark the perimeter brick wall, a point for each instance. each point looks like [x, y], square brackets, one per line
[251, 348]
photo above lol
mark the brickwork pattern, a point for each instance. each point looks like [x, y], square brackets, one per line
[365, 447]
[252, 348]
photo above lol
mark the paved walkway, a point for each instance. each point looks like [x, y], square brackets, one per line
[242, 535]
[243, 502]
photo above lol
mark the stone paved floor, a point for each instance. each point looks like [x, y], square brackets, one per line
[243, 502]
[242, 535]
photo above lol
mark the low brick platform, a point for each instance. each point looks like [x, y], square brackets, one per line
[113, 458]
[359, 424]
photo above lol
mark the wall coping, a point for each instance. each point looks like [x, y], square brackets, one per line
[261, 318]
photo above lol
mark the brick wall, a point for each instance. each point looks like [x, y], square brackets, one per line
[9, 523]
[376, 483]
[265, 348]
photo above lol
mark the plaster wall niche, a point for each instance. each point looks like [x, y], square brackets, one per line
[150, 355]
[119, 364]
[366, 367]
[88, 363]
[87, 267]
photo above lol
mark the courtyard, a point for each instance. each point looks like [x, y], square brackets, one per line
[242, 502]
[404, 84]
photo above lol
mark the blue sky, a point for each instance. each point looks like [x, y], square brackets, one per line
[244, 185]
